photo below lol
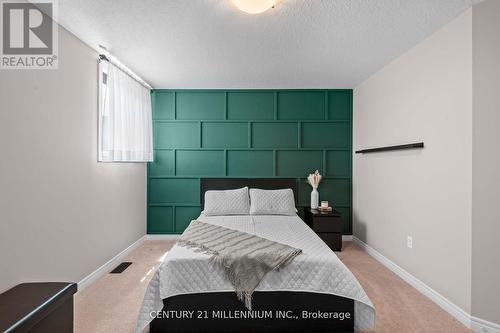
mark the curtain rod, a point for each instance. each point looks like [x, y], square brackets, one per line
[103, 57]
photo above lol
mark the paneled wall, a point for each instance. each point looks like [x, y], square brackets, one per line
[247, 133]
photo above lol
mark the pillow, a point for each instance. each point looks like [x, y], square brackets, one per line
[272, 202]
[228, 202]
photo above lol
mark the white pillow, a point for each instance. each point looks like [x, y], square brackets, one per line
[272, 202]
[228, 202]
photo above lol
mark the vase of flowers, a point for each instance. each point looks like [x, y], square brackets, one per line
[314, 179]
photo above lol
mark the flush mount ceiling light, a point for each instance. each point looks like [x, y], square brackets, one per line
[254, 6]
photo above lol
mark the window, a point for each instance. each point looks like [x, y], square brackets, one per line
[125, 124]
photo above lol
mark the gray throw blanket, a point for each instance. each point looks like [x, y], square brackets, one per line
[245, 258]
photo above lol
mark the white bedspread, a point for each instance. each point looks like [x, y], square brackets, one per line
[317, 269]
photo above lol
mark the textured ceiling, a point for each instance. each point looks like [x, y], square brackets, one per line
[298, 44]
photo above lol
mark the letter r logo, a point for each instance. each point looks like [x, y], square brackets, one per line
[27, 28]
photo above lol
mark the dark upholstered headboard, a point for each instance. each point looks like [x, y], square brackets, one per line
[207, 184]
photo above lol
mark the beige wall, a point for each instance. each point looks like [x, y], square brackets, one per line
[486, 162]
[62, 214]
[424, 95]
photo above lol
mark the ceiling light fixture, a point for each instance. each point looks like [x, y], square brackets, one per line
[254, 6]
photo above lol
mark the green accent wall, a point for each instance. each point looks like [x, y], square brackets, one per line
[247, 133]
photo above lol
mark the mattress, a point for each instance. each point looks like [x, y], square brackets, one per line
[316, 270]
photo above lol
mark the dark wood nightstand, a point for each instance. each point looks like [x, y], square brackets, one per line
[328, 226]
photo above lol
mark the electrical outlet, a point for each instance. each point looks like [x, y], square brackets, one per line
[409, 242]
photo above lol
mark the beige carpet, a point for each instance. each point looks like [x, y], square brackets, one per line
[112, 303]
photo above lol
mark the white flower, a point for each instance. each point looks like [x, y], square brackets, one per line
[314, 179]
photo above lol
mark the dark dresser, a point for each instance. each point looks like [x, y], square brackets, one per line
[38, 307]
[327, 225]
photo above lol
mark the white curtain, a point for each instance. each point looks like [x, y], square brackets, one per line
[125, 121]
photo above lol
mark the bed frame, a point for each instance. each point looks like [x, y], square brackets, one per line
[273, 311]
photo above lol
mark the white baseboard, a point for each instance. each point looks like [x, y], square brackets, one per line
[477, 324]
[483, 326]
[162, 237]
[109, 265]
[347, 238]
[433, 295]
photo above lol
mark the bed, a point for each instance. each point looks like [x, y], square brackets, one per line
[314, 293]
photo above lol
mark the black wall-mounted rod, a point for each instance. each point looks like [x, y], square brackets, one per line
[398, 147]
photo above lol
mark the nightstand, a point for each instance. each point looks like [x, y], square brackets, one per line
[327, 225]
